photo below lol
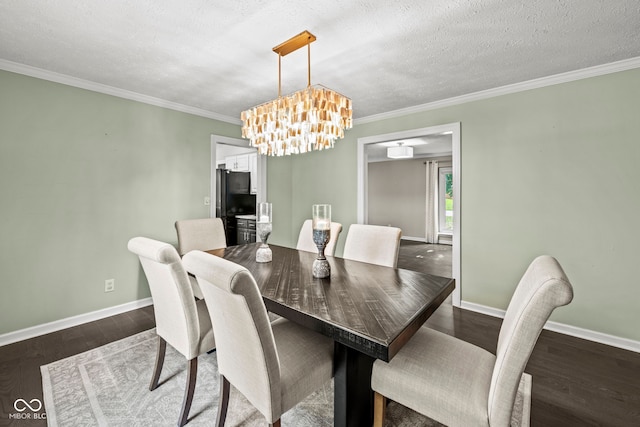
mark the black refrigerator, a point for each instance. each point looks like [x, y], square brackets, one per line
[233, 198]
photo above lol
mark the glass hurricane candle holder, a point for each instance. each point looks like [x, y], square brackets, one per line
[263, 228]
[321, 223]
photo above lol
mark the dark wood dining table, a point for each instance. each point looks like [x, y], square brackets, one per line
[370, 312]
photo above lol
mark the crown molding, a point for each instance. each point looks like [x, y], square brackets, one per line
[598, 70]
[585, 73]
[40, 73]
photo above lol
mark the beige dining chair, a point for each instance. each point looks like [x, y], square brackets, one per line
[375, 244]
[274, 365]
[181, 321]
[305, 238]
[202, 234]
[459, 384]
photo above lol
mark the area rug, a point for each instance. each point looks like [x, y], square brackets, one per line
[108, 386]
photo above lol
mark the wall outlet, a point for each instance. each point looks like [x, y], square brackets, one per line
[207, 201]
[109, 285]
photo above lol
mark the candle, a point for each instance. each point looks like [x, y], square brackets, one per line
[321, 217]
[322, 224]
[263, 228]
[264, 212]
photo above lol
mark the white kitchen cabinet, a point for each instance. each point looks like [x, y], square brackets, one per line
[230, 162]
[245, 163]
[253, 168]
[239, 163]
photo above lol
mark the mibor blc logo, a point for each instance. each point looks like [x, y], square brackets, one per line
[28, 410]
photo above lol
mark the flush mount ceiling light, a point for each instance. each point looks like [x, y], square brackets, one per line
[400, 152]
[309, 119]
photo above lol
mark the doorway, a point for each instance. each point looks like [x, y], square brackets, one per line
[452, 129]
[218, 144]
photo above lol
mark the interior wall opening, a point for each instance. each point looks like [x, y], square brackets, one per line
[393, 186]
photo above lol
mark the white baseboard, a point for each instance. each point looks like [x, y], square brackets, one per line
[423, 240]
[68, 322]
[46, 328]
[413, 239]
[562, 328]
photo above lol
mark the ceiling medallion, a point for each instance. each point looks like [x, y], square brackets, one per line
[306, 120]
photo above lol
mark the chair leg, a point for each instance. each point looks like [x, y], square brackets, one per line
[379, 407]
[162, 349]
[188, 392]
[223, 401]
[276, 423]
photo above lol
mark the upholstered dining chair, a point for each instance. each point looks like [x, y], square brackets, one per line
[375, 244]
[459, 384]
[305, 238]
[202, 234]
[274, 365]
[181, 321]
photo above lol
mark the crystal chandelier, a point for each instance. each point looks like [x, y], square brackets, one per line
[309, 119]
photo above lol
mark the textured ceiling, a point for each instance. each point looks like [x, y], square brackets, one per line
[386, 55]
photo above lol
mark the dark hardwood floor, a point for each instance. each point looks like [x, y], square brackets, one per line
[427, 258]
[575, 382]
[20, 362]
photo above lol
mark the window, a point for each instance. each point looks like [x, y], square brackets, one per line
[445, 200]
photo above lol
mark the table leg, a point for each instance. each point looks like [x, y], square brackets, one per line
[353, 397]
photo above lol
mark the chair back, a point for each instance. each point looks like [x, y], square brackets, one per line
[543, 287]
[305, 238]
[173, 302]
[200, 234]
[246, 349]
[374, 244]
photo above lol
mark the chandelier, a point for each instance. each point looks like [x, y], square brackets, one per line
[309, 119]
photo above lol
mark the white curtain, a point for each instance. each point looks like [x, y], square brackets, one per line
[431, 225]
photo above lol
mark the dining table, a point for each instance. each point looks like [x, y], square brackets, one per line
[370, 312]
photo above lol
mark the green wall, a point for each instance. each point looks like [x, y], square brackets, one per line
[552, 170]
[80, 174]
[295, 183]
